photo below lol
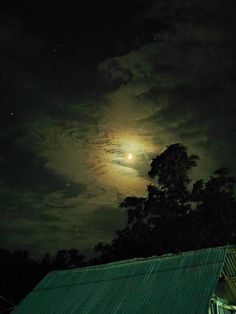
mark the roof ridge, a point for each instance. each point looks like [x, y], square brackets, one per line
[142, 259]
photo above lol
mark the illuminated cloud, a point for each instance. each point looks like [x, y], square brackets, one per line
[74, 123]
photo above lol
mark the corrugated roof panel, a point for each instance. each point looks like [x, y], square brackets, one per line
[230, 263]
[178, 284]
[229, 272]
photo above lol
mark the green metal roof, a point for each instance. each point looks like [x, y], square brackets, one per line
[173, 284]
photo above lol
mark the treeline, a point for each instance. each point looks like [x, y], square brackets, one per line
[19, 273]
[177, 215]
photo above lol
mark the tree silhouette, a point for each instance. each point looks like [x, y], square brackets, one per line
[65, 259]
[19, 273]
[171, 168]
[175, 216]
[215, 211]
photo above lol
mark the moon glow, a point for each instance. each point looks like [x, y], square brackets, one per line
[130, 156]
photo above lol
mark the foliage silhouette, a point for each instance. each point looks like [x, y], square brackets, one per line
[19, 273]
[176, 215]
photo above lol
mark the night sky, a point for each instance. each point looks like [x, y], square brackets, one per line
[90, 92]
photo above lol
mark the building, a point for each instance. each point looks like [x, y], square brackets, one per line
[194, 282]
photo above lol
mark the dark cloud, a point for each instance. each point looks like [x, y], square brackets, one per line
[24, 170]
[83, 86]
[74, 189]
[106, 220]
[192, 79]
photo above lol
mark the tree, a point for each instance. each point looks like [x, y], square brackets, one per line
[175, 216]
[171, 168]
[216, 209]
[65, 259]
[19, 273]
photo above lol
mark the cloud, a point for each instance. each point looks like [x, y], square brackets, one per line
[113, 74]
[185, 82]
[106, 220]
[64, 166]
[74, 189]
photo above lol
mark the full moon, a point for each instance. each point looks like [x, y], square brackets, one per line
[130, 156]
